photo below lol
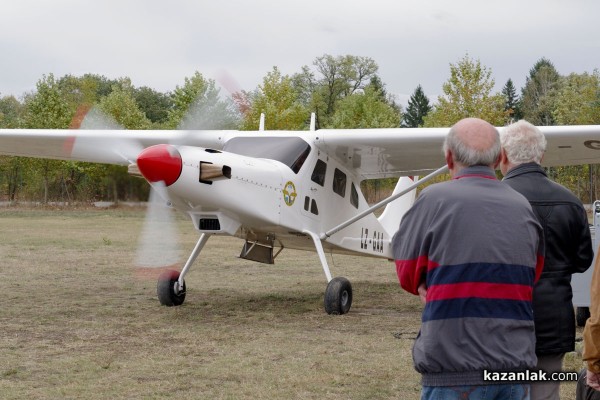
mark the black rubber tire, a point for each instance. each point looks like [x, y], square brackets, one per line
[581, 315]
[166, 289]
[338, 296]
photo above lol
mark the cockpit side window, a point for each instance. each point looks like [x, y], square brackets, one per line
[299, 162]
[318, 174]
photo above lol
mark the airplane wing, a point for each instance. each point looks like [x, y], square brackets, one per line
[379, 153]
[374, 153]
[102, 146]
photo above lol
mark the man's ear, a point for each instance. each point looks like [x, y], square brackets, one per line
[449, 160]
[501, 159]
[503, 156]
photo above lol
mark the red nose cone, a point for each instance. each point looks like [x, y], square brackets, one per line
[160, 163]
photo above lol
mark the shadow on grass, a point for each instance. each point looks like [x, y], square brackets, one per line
[368, 298]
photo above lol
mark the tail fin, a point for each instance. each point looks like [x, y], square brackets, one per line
[394, 211]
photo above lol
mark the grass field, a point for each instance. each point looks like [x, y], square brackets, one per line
[77, 322]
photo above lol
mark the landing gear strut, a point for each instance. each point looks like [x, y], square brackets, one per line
[338, 295]
[171, 285]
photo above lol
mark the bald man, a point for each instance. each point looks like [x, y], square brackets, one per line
[472, 248]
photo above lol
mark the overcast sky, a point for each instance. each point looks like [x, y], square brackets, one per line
[158, 43]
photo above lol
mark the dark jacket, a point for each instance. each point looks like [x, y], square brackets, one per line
[568, 251]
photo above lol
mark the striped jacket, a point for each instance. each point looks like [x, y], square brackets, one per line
[477, 245]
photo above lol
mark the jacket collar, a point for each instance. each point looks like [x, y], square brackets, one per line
[477, 171]
[525, 169]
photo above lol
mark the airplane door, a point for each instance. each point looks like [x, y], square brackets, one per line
[312, 200]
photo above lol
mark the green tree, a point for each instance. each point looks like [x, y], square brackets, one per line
[198, 105]
[577, 100]
[417, 110]
[511, 101]
[155, 105]
[378, 86]
[305, 84]
[79, 90]
[365, 110]
[278, 100]
[11, 176]
[538, 94]
[11, 112]
[116, 110]
[46, 109]
[121, 105]
[468, 93]
[81, 93]
[334, 79]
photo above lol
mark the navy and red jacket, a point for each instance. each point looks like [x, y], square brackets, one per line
[479, 248]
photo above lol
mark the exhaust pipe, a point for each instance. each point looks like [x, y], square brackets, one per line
[210, 172]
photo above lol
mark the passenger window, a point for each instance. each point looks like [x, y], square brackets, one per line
[339, 182]
[306, 202]
[313, 207]
[318, 174]
[353, 196]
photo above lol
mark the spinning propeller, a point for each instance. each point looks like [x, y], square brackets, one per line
[158, 252]
[160, 165]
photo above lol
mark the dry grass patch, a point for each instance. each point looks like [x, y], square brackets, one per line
[78, 324]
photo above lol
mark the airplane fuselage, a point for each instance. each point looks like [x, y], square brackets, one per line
[303, 190]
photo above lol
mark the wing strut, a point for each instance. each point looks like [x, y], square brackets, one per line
[384, 202]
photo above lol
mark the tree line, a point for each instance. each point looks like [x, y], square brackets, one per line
[342, 91]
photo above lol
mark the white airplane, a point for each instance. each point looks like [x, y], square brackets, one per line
[280, 189]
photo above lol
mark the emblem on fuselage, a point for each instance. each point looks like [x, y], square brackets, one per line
[289, 193]
[592, 144]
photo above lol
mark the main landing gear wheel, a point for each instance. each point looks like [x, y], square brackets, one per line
[338, 296]
[168, 289]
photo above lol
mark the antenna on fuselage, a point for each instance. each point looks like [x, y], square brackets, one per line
[313, 121]
[261, 124]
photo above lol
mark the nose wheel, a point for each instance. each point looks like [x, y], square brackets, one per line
[170, 291]
[171, 285]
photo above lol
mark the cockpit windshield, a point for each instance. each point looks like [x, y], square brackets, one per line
[292, 151]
